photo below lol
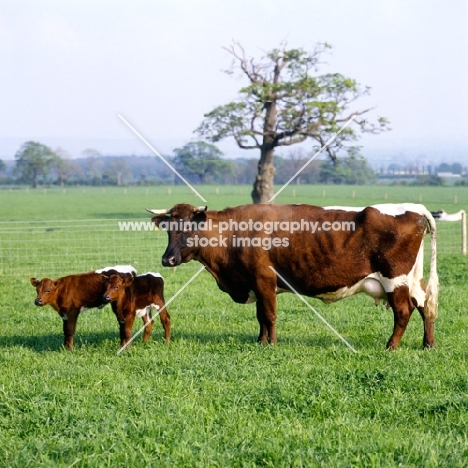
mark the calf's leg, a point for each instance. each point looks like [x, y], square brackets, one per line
[69, 327]
[126, 326]
[164, 317]
[148, 321]
[125, 323]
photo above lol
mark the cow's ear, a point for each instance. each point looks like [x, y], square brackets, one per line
[199, 217]
[157, 220]
[35, 282]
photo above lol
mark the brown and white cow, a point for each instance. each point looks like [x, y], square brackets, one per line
[135, 297]
[70, 295]
[255, 251]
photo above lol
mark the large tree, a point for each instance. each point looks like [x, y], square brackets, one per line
[201, 159]
[32, 160]
[284, 103]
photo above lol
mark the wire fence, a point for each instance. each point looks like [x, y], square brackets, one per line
[58, 248]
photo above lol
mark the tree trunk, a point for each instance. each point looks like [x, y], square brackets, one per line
[263, 185]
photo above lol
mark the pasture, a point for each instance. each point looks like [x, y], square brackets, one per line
[213, 396]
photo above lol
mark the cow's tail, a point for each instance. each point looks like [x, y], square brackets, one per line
[431, 302]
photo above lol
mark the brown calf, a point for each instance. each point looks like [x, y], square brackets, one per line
[134, 297]
[71, 295]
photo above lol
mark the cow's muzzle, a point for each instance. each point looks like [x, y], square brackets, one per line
[106, 298]
[170, 261]
[38, 302]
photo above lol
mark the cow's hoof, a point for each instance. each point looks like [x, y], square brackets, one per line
[429, 345]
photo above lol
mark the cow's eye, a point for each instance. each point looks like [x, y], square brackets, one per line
[48, 291]
[116, 288]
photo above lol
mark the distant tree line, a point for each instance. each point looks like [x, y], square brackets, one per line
[415, 169]
[416, 174]
[199, 163]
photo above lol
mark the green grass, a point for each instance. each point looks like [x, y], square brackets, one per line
[213, 397]
[130, 202]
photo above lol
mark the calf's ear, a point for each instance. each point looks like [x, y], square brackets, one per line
[35, 282]
[128, 280]
[104, 278]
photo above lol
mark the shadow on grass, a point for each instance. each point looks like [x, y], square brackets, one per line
[54, 341]
[246, 338]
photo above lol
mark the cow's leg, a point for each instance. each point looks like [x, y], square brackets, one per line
[419, 295]
[148, 321]
[402, 306]
[262, 337]
[428, 340]
[69, 327]
[165, 318]
[266, 309]
[269, 317]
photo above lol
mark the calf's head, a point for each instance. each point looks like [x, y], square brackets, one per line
[115, 287]
[180, 222]
[46, 291]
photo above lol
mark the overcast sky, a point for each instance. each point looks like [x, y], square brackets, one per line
[68, 68]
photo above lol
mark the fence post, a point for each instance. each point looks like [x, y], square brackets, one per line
[463, 231]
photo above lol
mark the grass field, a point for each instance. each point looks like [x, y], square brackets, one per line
[213, 397]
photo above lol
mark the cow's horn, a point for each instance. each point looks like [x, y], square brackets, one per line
[158, 212]
[197, 209]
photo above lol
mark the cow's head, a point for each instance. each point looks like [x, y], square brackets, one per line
[180, 222]
[115, 286]
[45, 289]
